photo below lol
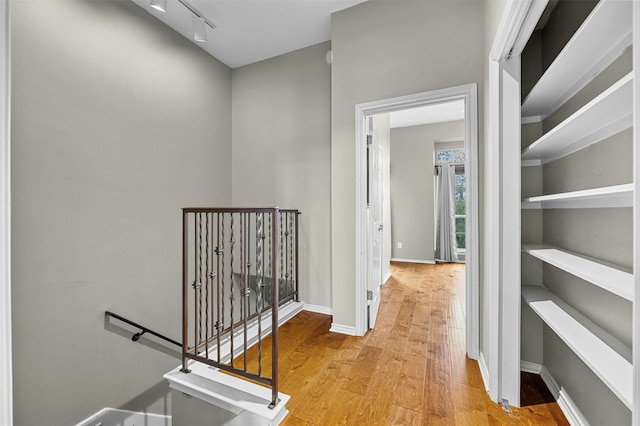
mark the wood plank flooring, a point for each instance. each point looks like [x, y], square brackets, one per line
[410, 370]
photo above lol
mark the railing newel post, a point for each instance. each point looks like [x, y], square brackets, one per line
[297, 264]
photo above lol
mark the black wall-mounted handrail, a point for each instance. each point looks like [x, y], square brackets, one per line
[143, 329]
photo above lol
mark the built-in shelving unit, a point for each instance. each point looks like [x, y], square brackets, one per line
[609, 196]
[606, 356]
[600, 40]
[611, 278]
[606, 115]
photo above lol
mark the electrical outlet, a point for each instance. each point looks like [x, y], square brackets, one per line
[399, 245]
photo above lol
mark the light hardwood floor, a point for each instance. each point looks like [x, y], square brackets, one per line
[410, 370]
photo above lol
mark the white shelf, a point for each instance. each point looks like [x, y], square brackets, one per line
[605, 197]
[612, 279]
[607, 357]
[599, 41]
[606, 115]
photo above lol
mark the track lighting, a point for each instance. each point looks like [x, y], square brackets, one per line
[199, 22]
[199, 29]
[160, 5]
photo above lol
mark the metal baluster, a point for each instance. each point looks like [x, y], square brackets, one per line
[241, 217]
[274, 323]
[200, 279]
[286, 254]
[195, 284]
[231, 243]
[220, 284]
[207, 277]
[259, 279]
[297, 276]
[245, 271]
[278, 283]
[213, 275]
[291, 264]
[270, 264]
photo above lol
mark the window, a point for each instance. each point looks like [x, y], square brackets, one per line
[460, 200]
[456, 158]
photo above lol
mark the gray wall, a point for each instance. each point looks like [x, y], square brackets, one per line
[531, 272]
[412, 187]
[117, 123]
[382, 50]
[281, 152]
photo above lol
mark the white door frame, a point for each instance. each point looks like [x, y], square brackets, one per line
[503, 364]
[374, 230]
[468, 93]
[6, 384]
[635, 420]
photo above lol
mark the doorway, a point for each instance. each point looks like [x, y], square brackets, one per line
[468, 96]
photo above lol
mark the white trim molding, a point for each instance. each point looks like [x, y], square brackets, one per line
[530, 367]
[568, 407]
[636, 212]
[427, 262]
[317, 309]
[484, 372]
[116, 416]
[6, 384]
[467, 93]
[343, 329]
[518, 22]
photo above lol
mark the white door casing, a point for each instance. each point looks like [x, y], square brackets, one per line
[6, 385]
[503, 358]
[467, 93]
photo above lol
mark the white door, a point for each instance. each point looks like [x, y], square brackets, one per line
[375, 227]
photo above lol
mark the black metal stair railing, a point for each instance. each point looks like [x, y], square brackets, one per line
[239, 266]
[142, 328]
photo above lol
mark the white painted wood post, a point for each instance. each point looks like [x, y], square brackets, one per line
[6, 387]
[635, 415]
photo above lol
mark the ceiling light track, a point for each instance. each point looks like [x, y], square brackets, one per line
[199, 21]
[198, 14]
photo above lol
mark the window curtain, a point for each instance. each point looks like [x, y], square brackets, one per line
[446, 247]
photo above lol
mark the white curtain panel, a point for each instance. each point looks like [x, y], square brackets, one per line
[446, 247]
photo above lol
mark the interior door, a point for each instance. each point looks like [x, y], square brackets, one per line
[375, 226]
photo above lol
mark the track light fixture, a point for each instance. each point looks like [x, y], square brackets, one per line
[160, 5]
[199, 29]
[199, 22]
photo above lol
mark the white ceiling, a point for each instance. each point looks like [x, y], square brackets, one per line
[249, 31]
[438, 113]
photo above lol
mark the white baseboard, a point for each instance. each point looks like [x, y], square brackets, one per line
[114, 416]
[428, 262]
[484, 371]
[285, 313]
[343, 329]
[318, 309]
[530, 367]
[568, 407]
[386, 278]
